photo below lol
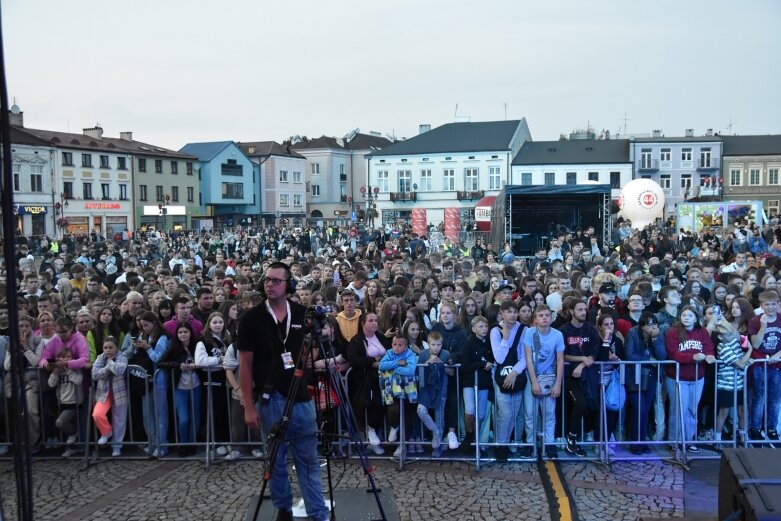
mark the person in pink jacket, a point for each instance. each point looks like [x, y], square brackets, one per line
[68, 337]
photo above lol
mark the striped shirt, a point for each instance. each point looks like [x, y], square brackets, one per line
[729, 376]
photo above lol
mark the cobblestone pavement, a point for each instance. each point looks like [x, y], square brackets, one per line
[153, 490]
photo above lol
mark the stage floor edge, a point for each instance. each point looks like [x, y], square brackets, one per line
[351, 505]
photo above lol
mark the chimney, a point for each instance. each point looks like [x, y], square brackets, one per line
[657, 132]
[127, 136]
[16, 116]
[422, 129]
[251, 150]
[689, 132]
[709, 132]
[607, 134]
[95, 132]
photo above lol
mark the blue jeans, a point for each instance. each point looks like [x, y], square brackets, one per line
[759, 394]
[690, 398]
[161, 411]
[301, 437]
[188, 413]
[508, 405]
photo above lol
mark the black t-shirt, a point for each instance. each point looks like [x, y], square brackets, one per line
[260, 334]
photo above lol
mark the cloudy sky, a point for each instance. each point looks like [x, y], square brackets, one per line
[176, 71]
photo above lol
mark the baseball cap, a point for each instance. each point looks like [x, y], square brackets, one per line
[607, 287]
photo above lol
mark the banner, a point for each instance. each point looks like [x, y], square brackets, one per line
[419, 221]
[452, 223]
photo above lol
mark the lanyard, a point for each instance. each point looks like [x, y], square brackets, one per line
[287, 321]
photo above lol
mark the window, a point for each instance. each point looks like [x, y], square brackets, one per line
[297, 177]
[141, 164]
[448, 180]
[190, 194]
[705, 157]
[615, 179]
[772, 176]
[232, 191]
[67, 159]
[772, 207]
[189, 168]
[645, 158]
[36, 178]
[550, 178]
[315, 190]
[494, 178]
[471, 179]
[593, 176]
[526, 178]
[572, 178]
[284, 199]
[233, 168]
[283, 176]
[175, 194]
[298, 200]
[342, 174]
[383, 181]
[686, 181]
[123, 192]
[174, 168]
[17, 168]
[666, 155]
[121, 163]
[753, 176]
[104, 162]
[735, 177]
[158, 166]
[405, 181]
[425, 181]
[142, 192]
[315, 168]
[86, 160]
[105, 191]
[159, 193]
[665, 181]
[86, 189]
[686, 154]
[67, 189]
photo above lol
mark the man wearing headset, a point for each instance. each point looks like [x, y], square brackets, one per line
[270, 341]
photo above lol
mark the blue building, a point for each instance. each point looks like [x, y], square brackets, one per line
[229, 184]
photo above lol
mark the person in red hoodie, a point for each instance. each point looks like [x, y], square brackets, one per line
[688, 343]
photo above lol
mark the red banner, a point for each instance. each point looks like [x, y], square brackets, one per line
[419, 221]
[452, 223]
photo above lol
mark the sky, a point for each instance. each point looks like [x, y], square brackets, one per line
[176, 71]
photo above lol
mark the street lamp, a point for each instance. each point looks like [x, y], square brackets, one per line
[164, 209]
[59, 211]
[370, 195]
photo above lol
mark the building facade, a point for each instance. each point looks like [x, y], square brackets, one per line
[33, 170]
[687, 168]
[448, 168]
[751, 166]
[575, 162]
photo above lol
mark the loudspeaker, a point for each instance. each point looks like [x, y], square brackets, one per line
[750, 482]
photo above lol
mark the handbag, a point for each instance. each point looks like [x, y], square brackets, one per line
[548, 380]
[615, 394]
[507, 366]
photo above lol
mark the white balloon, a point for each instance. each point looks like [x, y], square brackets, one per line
[642, 202]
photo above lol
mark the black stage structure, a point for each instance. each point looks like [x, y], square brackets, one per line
[529, 216]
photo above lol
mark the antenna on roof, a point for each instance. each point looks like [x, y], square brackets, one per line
[729, 127]
[505, 111]
[455, 114]
[626, 119]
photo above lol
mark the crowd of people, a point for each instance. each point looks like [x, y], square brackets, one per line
[436, 335]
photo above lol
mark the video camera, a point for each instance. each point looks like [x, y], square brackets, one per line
[315, 318]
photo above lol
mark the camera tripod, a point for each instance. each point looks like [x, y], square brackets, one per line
[276, 435]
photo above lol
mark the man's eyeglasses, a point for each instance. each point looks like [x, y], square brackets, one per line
[274, 282]
[636, 300]
[652, 324]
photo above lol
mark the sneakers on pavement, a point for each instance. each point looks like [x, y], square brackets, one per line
[374, 440]
[222, 451]
[452, 440]
[115, 453]
[104, 439]
[692, 448]
[71, 439]
[393, 434]
[377, 449]
[68, 453]
[398, 451]
[572, 445]
[257, 453]
[233, 455]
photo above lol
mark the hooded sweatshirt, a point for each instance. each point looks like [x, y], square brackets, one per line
[697, 341]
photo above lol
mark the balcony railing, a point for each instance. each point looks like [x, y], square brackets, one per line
[708, 163]
[474, 194]
[403, 196]
[648, 165]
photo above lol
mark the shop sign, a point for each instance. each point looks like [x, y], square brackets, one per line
[102, 206]
[32, 210]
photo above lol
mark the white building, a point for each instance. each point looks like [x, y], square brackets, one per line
[450, 167]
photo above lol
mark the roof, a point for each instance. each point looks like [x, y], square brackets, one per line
[320, 142]
[680, 139]
[205, 151]
[751, 145]
[457, 137]
[573, 152]
[557, 189]
[368, 142]
[267, 148]
[82, 141]
[358, 142]
[20, 137]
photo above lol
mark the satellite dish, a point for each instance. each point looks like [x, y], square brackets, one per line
[15, 109]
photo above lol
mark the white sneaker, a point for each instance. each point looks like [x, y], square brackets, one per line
[377, 449]
[104, 439]
[71, 439]
[68, 453]
[452, 440]
[436, 439]
[116, 452]
[257, 453]
[373, 438]
[222, 451]
[397, 452]
[393, 435]
[233, 455]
